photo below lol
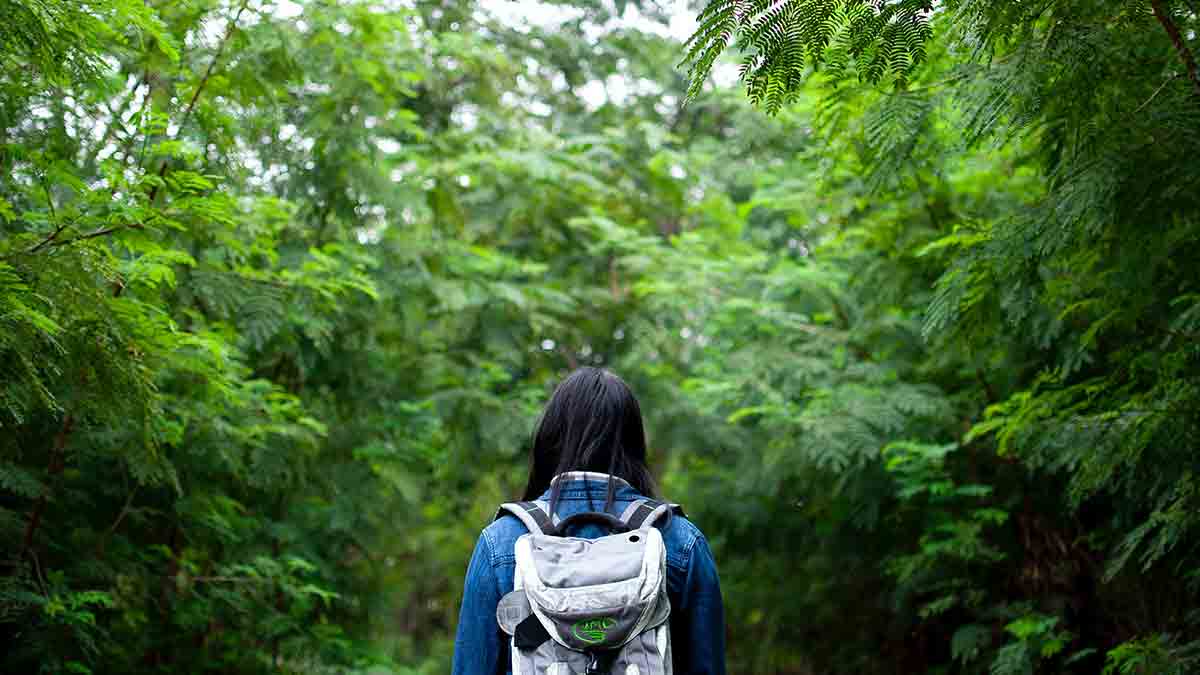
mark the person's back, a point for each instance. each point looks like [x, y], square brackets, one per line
[592, 422]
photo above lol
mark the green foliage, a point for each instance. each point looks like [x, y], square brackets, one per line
[281, 295]
[1023, 165]
[782, 41]
[1154, 654]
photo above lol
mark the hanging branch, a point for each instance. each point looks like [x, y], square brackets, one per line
[187, 113]
[53, 240]
[56, 467]
[1164, 17]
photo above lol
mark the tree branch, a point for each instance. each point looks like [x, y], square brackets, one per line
[1189, 62]
[49, 240]
[56, 467]
[94, 234]
[187, 113]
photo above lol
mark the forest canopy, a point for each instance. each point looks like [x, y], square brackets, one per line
[909, 292]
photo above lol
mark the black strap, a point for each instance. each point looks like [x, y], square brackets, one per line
[613, 523]
[539, 516]
[643, 511]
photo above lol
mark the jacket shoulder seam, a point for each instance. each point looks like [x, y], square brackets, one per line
[486, 534]
[682, 560]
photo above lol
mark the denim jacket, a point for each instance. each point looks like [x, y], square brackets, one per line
[697, 616]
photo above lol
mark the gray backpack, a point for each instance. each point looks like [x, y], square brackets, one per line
[587, 607]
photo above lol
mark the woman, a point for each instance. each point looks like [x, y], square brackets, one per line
[589, 454]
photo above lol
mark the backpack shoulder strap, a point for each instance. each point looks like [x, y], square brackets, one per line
[532, 514]
[643, 513]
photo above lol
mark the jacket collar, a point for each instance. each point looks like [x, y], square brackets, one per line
[589, 476]
[588, 486]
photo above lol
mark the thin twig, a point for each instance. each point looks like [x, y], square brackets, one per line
[99, 233]
[49, 198]
[53, 240]
[112, 529]
[48, 240]
[229, 580]
[187, 113]
[1156, 91]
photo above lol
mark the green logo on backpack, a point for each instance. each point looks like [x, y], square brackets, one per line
[593, 631]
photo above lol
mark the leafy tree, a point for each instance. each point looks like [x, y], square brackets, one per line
[284, 285]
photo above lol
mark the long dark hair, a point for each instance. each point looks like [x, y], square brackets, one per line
[592, 423]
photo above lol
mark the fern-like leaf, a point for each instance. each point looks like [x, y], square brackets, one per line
[781, 40]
